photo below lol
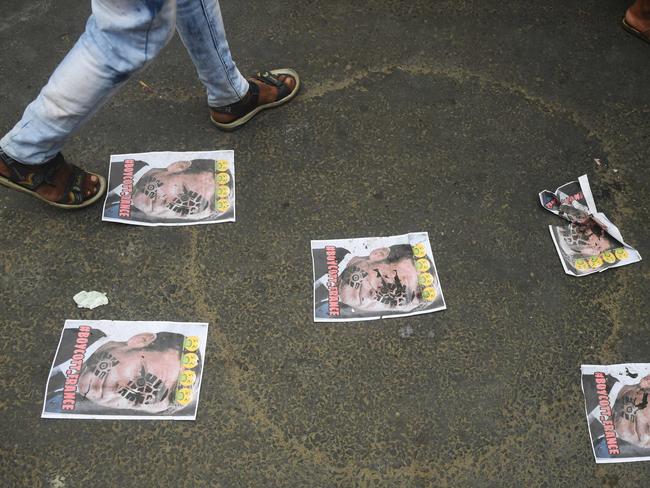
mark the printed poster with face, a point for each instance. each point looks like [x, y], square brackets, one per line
[590, 243]
[374, 277]
[106, 369]
[618, 412]
[171, 188]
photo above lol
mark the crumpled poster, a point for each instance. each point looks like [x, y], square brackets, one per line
[590, 243]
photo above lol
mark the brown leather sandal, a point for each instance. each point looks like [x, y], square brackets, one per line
[268, 89]
[77, 186]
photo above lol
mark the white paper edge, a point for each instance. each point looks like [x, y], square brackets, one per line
[586, 191]
[166, 224]
[112, 417]
[559, 254]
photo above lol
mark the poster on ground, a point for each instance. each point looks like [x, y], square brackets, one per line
[105, 369]
[171, 188]
[590, 243]
[618, 412]
[374, 277]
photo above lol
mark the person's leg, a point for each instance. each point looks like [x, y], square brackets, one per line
[200, 27]
[120, 37]
[233, 99]
[638, 17]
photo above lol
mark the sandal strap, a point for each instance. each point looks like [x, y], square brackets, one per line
[271, 79]
[33, 177]
[268, 78]
[73, 192]
[241, 108]
[251, 100]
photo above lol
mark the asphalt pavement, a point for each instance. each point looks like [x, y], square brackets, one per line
[440, 116]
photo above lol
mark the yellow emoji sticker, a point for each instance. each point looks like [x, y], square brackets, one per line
[595, 262]
[223, 191]
[222, 165]
[581, 265]
[223, 204]
[223, 178]
[425, 279]
[191, 343]
[621, 253]
[183, 396]
[187, 377]
[608, 257]
[422, 265]
[189, 360]
[419, 250]
[429, 294]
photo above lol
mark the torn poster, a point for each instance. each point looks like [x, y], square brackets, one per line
[171, 188]
[106, 369]
[590, 243]
[374, 277]
[618, 414]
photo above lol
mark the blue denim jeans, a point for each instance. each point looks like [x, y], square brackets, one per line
[121, 37]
